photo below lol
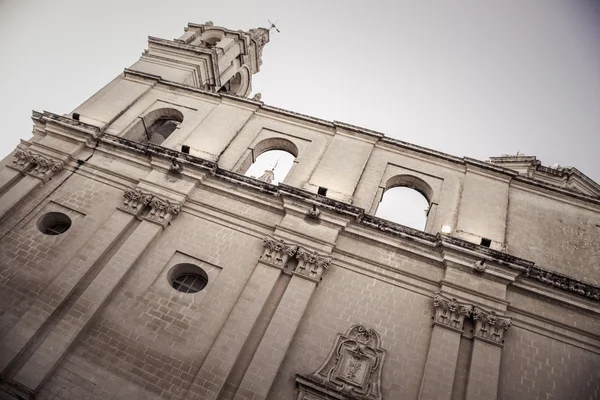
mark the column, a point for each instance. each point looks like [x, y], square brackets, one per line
[38, 169]
[60, 289]
[55, 344]
[219, 362]
[484, 371]
[443, 350]
[274, 345]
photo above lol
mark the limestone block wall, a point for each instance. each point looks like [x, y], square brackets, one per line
[558, 233]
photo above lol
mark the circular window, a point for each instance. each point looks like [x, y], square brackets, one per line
[54, 223]
[187, 278]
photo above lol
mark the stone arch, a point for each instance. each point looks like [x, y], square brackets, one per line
[406, 199]
[411, 182]
[239, 83]
[155, 126]
[265, 146]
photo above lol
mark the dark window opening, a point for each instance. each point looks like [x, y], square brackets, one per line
[322, 191]
[189, 283]
[486, 242]
[161, 129]
[54, 223]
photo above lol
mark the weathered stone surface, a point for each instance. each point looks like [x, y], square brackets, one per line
[300, 295]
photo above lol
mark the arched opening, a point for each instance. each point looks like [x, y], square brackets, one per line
[239, 84]
[156, 126]
[271, 166]
[270, 160]
[406, 201]
[211, 41]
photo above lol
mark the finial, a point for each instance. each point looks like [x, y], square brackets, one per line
[273, 26]
[257, 97]
[209, 23]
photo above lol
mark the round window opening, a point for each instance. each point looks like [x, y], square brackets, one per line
[187, 278]
[54, 223]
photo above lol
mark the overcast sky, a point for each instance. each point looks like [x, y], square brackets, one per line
[471, 78]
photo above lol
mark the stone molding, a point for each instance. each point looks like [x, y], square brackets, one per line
[161, 210]
[352, 369]
[489, 326]
[277, 252]
[531, 272]
[311, 265]
[35, 164]
[449, 312]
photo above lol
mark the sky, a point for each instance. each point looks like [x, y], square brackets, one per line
[467, 77]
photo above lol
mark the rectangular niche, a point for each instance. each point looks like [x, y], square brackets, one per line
[187, 278]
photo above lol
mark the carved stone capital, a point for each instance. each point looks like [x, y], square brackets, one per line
[351, 371]
[162, 210]
[134, 201]
[311, 265]
[449, 312]
[35, 164]
[277, 252]
[489, 326]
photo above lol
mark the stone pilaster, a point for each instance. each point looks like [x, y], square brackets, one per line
[61, 288]
[440, 367]
[262, 371]
[219, 362]
[37, 169]
[53, 347]
[484, 371]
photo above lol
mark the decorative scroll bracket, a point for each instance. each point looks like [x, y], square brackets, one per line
[161, 210]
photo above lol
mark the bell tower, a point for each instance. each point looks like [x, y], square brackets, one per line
[208, 57]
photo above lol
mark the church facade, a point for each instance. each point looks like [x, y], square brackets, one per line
[138, 261]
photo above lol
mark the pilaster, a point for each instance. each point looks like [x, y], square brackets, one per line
[65, 331]
[62, 287]
[220, 361]
[484, 371]
[449, 316]
[265, 364]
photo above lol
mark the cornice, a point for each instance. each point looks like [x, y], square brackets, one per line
[528, 269]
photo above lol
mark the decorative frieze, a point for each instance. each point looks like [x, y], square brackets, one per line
[311, 265]
[277, 252]
[35, 164]
[449, 312]
[352, 369]
[489, 326]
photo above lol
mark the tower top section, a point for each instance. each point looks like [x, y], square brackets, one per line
[207, 56]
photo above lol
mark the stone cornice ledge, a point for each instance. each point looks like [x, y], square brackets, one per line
[530, 271]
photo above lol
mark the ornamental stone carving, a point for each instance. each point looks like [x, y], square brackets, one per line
[162, 211]
[277, 252]
[449, 312]
[41, 166]
[135, 200]
[351, 371]
[489, 326]
[311, 265]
